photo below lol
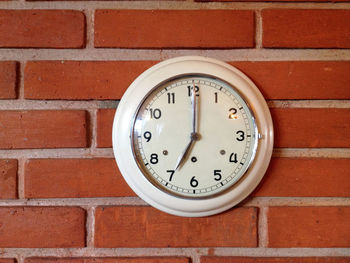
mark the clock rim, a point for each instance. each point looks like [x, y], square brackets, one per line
[152, 179]
[123, 121]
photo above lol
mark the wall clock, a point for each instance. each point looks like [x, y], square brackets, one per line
[192, 136]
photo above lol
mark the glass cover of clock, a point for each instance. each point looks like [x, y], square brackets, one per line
[194, 136]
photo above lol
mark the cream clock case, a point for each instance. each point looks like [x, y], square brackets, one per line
[192, 136]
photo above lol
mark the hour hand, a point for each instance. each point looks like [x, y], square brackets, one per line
[183, 155]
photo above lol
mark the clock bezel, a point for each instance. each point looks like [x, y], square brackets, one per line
[128, 107]
[153, 180]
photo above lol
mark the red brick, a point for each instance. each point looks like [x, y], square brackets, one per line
[275, 260]
[109, 79]
[111, 260]
[42, 28]
[306, 28]
[74, 178]
[8, 179]
[42, 227]
[308, 226]
[149, 227]
[104, 127]
[8, 79]
[7, 260]
[305, 127]
[43, 129]
[174, 28]
[306, 177]
[299, 79]
[80, 79]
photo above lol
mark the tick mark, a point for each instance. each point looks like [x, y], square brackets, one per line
[222, 183]
[241, 108]
[241, 163]
[146, 164]
[166, 184]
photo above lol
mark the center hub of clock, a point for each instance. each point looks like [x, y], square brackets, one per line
[195, 136]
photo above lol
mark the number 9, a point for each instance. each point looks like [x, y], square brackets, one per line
[147, 135]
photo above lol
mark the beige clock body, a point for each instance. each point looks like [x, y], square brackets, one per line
[192, 136]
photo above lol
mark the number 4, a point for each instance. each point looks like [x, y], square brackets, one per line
[233, 158]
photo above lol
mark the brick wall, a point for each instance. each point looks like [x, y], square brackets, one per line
[65, 64]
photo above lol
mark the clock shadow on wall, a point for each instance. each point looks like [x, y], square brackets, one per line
[192, 136]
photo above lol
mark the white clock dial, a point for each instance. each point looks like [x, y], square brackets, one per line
[194, 143]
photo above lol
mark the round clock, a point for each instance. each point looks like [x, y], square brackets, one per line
[192, 136]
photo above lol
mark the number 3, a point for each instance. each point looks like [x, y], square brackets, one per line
[241, 136]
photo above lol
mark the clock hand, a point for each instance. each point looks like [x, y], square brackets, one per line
[183, 155]
[194, 109]
[194, 135]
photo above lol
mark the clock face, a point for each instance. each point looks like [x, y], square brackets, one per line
[194, 136]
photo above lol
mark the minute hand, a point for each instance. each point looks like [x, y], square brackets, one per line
[194, 109]
[194, 136]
